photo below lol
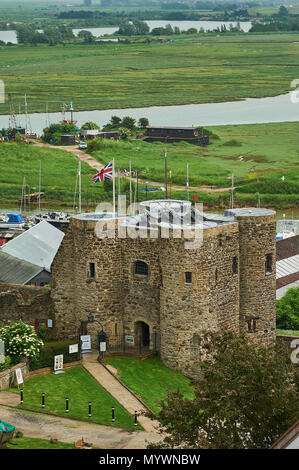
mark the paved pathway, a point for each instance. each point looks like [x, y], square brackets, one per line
[117, 390]
[69, 430]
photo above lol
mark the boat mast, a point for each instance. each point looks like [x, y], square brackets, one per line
[187, 183]
[79, 175]
[39, 184]
[232, 193]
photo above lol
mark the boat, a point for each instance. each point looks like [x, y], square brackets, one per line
[58, 219]
[12, 221]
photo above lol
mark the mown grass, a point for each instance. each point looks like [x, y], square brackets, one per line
[150, 379]
[188, 70]
[287, 332]
[80, 387]
[36, 443]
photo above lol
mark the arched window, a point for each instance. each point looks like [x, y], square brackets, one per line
[141, 268]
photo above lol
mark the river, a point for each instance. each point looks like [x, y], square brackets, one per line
[10, 36]
[249, 111]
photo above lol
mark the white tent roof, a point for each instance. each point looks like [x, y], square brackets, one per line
[38, 245]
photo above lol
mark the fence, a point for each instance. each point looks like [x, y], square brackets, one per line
[134, 345]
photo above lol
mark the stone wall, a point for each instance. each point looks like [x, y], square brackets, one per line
[8, 377]
[228, 286]
[257, 288]
[31, 304]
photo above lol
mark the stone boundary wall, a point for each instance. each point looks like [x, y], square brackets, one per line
[48, 370]
[8, 378]
[287, 338]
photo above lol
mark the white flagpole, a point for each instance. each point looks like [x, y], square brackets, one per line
[79, 175]
[130, 169]
[113, 178]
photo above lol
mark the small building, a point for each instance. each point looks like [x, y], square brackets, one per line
[287, 265]
[68, 139]
[109, 135]
[289, 439]
[27, 259]
[17, 271]
[89, 134]
[193, 135]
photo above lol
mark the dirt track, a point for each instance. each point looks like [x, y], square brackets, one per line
[93, 163]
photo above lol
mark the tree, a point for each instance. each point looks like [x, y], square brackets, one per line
[89, 125]
[245, 397]
[20, 341]
[143, 122]
[283, 11]
[191, 31]
[128, 122]
[52, 133]
[287, 310]
[87, 36]
[115, 121]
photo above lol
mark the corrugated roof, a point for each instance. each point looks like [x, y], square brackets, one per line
[16, 271]
[38, 245]
[287, 266]
[287, 247]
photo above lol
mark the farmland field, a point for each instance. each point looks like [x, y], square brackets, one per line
[193, 69]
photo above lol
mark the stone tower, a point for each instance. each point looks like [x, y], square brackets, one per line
[257, 248]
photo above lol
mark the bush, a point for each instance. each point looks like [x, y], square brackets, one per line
[20, 341]
[287, 310]
[51, 349]
[232, 143]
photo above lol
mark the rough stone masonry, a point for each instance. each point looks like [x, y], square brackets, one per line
[155, 286]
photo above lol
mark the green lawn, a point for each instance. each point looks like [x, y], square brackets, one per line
[77, 385]
[287, 332]
[35, 443]
[196, 69]
[150, 379]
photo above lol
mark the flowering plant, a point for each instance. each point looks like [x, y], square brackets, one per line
[20, 341]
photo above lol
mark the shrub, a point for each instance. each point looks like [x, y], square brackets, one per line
[6, 364]
[51, 349]
[287, 310]
[20, 341]
[232, 143]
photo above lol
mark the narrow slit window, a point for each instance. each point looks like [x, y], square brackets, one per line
[268, 265]
[92, 270]
[235, 265]
[188, 277]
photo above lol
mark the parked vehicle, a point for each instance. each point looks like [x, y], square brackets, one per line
[82, 145]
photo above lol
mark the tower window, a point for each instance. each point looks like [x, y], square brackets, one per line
[141, 268]
[92, 270]
[268, 265]
[188, 278]
[235, 266]
[251, 322]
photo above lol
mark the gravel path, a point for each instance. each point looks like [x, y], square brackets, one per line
[69, 430]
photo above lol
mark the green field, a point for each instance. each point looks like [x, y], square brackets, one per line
[150, 379]
[258, 155]
[187, 70]
[80, 387]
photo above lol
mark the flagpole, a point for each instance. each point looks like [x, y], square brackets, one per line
[165, 175]
[113, 178]
[39, 184]
[187, 183]
[130, 169]
[79, 175]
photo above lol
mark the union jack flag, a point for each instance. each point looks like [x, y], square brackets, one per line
[105, 173]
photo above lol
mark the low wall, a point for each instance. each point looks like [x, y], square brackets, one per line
[8, 377]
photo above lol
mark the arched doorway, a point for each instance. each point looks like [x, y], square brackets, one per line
[143, 333]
